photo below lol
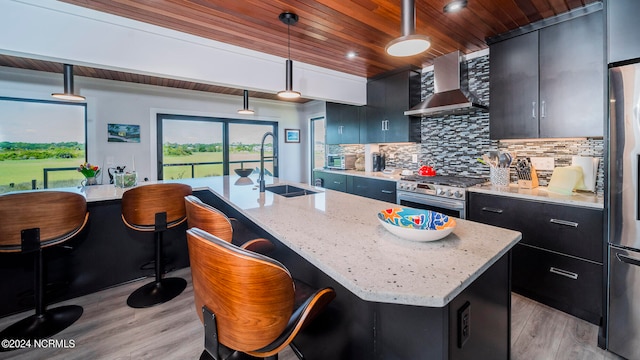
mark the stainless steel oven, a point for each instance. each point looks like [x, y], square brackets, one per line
[449, 207]
[443, 194]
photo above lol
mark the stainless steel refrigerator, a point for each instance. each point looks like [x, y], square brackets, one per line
[623, 328]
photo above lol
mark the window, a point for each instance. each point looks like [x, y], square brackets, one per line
[318, 151]
[42, 143]
[195, 146]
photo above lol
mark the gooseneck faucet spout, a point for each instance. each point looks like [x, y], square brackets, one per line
[274, 157]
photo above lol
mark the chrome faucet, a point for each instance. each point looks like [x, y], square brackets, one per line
[275, 151]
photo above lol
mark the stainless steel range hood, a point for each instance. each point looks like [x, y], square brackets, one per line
[451, 91]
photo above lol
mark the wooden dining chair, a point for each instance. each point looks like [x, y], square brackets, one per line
[30, 222]
[155, 208]
[247, 301]
[215, 222]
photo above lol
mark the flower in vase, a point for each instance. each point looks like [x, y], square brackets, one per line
[89, 170]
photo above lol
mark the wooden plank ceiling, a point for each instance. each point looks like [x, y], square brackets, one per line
[326, 31]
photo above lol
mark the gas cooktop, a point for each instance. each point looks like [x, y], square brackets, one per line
[447, 180]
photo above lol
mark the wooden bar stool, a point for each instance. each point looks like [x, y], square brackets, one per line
[247, 301]
[155, 208]
[29, 222]
[215, 222]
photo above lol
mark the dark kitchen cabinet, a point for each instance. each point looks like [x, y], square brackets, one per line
[563, 282]
[388, 97]
[623, 42]
[331, 181]
[513, 88]
[343, 123]
[550, 82]
[559, 259]
[383, 190]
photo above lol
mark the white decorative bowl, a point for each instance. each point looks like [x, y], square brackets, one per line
[415, 224]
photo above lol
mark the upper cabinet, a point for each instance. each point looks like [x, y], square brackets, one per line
[550, 82]
[623, 27]
[388, 97]
[343, 123]
[513, 88]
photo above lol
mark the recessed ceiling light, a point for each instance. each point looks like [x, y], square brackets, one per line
[351, 54]
[455, 5]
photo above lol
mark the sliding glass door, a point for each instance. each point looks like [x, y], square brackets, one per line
[196, 147]
[244, 146]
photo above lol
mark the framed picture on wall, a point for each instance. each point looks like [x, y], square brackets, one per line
[292, 135]
[123, 133]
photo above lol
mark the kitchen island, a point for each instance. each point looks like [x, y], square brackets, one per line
[396, 299]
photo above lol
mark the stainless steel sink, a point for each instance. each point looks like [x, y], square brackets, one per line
[289, 190]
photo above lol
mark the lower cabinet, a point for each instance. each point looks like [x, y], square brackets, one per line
[566, 283]
[559, 261]
[330, 181]
[384, 190]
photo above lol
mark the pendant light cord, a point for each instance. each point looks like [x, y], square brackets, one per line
[289, 40]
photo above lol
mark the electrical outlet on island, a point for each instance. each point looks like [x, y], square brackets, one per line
[414, 158]
[543, 163]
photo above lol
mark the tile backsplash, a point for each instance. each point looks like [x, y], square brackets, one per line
[453, 143]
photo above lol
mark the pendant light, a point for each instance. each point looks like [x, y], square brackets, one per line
[68, 86]
[245, 108]
[289, 19]
[409, 43]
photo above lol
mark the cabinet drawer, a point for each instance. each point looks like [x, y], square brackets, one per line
[374, 189]
[494, 210]
[563, 282]
[569, 230]
[566, 229]
[332, 181]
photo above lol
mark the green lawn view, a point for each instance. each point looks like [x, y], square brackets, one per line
[21, 172]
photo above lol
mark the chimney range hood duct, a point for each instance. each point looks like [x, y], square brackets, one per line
[451, 94]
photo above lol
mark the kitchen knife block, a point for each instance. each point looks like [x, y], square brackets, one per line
[529, 183]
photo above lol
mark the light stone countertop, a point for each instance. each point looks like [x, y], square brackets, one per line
[368, 174]
[581, 199]
[340, 234]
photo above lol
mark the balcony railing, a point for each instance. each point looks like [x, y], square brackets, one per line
[193, 165]
[242, 163]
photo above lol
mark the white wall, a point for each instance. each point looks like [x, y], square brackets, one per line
[126, 103]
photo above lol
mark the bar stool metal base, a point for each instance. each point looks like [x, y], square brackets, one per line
[156, 292]
[51, 322]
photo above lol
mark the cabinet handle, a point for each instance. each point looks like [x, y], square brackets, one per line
[338, 182]
[533, 109]
[564, 222]
[383, 125]
[340, 129]
[565, 273]
[386, 191]
[543, 109]
[493, 210]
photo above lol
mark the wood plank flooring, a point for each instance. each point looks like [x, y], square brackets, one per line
[109, 329]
